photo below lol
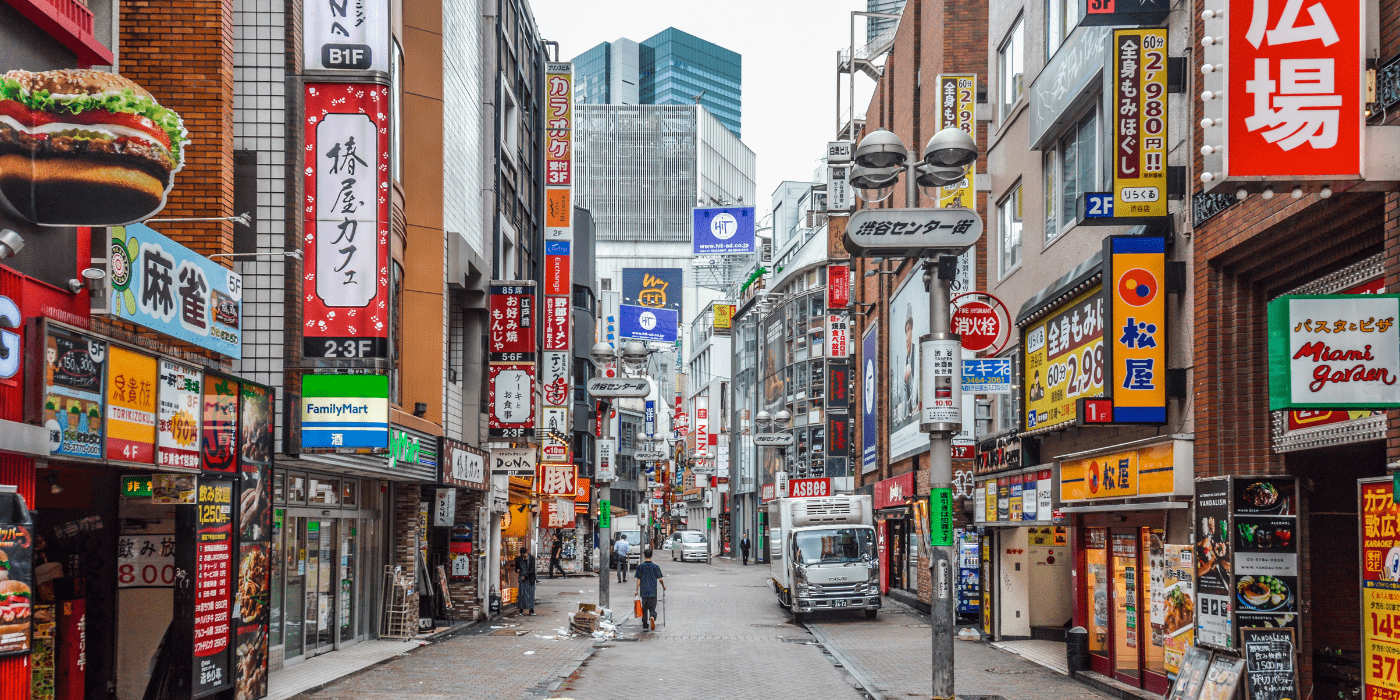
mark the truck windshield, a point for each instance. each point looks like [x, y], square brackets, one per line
[834, 546]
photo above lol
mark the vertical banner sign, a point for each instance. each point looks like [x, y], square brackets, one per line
[940, 513]
[649, 419]
[1213, 542]
[556, 322]
[213, 585]
[838, 336]
[869, 400]
[838, 189]
[1139, 122]
[554, 425]
[838, 435]
[131, 406]
[1137, 329]
[556, 267]
[73, 393]
[346, 35]
[554, 378]
[512, 355]
[1295, 90]
[702, 426]
[219, 435]
[558, 153]
[838, 386]
[957, 96]
[346, 285]
[838, 286]
[180, 415]
[1380, 589]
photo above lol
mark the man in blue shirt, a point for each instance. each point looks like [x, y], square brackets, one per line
[620, 551]
[648, 575]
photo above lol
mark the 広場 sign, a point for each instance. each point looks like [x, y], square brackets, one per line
[1334, 352]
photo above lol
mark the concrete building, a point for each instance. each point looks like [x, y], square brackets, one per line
[709, 400]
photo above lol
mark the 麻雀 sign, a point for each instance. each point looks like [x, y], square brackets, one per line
[1334, 352]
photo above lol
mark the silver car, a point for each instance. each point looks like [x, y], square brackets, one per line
[689, 545]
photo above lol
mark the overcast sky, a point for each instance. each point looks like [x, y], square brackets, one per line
[789, 58]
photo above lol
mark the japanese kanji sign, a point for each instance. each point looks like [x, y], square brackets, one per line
[957, 98]
[180, 415]
[838, 286]
[554, 378]
[1063, 361]
[1139, 77]
[131, 406]
[346, 35]
[554, 424]
[556, 322]
[168, 288]
[1137, 327]
[1334, 352]
[1380, 587]
[346, 286]
[512, 323]
[912, 233]
[838, 336]
[558, 155]
[512, 400]
[556, 480]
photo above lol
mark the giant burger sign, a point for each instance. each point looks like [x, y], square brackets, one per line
[1334, 352]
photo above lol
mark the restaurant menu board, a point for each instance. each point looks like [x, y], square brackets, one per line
[1268, 663]
[1266, 552]
[1211, 552]
[213, 585]
[1222, 678]
[219, 436]
[179, 412]
[1179, 606]
[1194, 666]
[16, 597]
[73, 391]
[1380, 589]
[254, 555]
[255, 424]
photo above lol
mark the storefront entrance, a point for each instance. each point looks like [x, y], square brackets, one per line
[1123, 643]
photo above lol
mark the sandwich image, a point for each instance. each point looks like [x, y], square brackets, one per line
[85, 148]
[14, 607]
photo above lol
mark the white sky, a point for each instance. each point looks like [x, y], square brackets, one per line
[789, 59]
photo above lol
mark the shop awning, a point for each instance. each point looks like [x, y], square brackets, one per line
[1019, 523]
[1135, 505]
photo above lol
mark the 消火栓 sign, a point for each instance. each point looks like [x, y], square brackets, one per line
[1334, 352]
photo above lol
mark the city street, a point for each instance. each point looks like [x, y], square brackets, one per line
[723, 633]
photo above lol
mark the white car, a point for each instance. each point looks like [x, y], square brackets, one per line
[689, 545]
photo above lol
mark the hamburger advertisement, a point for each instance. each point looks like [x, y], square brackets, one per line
[83, 147]
[15, 595]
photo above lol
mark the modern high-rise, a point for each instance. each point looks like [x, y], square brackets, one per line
[878, 25]
[670, 68]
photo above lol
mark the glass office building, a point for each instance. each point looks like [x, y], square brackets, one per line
[876, 25]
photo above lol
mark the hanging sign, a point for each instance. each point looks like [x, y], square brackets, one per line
[180, 415]
[219, 434]
[1063, 361]
[957, 96]
[160, 284]
[1139, 77]
[724, 316]
[345, 413]
[513, 461]
[1136, 351]
[838, 286]
[556, 480]
[131, 406]
[1335, 352]
[512, 400]
[838, 336]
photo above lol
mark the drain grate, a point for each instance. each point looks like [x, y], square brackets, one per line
[977, 697]
[1009, 671]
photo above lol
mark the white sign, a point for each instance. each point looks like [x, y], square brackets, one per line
[179, 415]
[606, 466]
[468, 466]
[445, 507]
[838, 189]
[335, 183]
[346, 35]
[1334, 352]
[513, 461]
[554, 421]
[604, 388]
[509, 384]
[772, 439]
[838, 151]
[941, 404]
[912, 233]
[838, 336]
[146, 561]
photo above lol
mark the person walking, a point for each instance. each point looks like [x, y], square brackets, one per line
[554, 548]
[525, 567]
[744, 548]
[648, 575]
[620, 551]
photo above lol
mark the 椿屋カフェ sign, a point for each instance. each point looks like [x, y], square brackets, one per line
[1334, 352]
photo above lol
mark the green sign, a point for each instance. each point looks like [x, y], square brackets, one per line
[940, 515]
[402, 448]
[604, 513]
[277, 518]
[136, 486]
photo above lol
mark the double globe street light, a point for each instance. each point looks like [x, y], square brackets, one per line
[881, 156]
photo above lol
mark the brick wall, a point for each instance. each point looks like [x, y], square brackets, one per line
[405, 530]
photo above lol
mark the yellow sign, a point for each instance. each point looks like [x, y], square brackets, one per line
[957, 104]
[1136, 271]
[1140, 122]
[131, 406]
[1063, 360]
[724, 315]
[1150, 470]
[1178, 605]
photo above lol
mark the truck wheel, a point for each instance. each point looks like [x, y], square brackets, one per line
[871, 613]
[796, 617]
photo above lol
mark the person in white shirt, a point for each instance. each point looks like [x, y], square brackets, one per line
[620, 551]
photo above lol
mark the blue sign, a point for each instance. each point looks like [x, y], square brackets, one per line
[1098, 205]
[653, 286]
[556, 247]
[647, 323]
[723, 231]
[869, 390]
[159, 284]
[650, 419]
[990, 375]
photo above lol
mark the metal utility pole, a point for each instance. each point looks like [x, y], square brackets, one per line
[604, 547]
[943, 554]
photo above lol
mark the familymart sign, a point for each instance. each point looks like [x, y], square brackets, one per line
[1334, 352]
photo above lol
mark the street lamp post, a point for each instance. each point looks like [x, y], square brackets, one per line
[880, 157]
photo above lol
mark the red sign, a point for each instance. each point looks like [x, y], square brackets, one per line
[1098, 411]
[556, 268]
[964, 451]
[982, 321]
[556, 323]
[682, 423]
[551, 515]
[892, 492]
[512, 335]
[1295, 88]
[838, 286]
[70, 650]
[346, 212]
[768, 492]
[809, 488]
[512, 400]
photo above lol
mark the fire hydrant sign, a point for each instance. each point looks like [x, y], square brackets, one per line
[1335, 352]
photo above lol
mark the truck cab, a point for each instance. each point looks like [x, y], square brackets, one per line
[823, 555]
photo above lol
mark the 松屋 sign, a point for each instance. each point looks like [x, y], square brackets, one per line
[1135, 351]
[1334, 352]
[1286, 91]
[1139, 79]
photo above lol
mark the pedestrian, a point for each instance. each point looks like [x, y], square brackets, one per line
[620, 552]
[554, 549]
[744, 548]
[525, 567]
[648, 575]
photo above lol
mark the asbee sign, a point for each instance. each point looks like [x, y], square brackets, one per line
[809, 488]
[912, 233]
[345, 413]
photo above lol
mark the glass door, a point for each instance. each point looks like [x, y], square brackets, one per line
[1127, 606]
[1096, 595]
[325, 589]
[348, 576]
[295, 558]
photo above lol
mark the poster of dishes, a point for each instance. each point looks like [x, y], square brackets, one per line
[255, 425]
[1266, 552]
[16, 597]
[1380, 586]
[1179, 603]
[1213, 563]
[1266, 497]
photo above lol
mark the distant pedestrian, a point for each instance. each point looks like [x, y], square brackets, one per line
[744, 548]
[554, 549]
[648, 575]
[525, 566]
[620, 552]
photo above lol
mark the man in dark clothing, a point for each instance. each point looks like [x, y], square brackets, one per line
[648, 575]
[744, 548]
[554, 550]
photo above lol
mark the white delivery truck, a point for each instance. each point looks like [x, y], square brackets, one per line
[823, 556]
[628, 525]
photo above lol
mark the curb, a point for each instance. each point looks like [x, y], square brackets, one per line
[865, 684]
[567, 670]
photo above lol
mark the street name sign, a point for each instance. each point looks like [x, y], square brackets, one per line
[649, 456]
[912, 233]
[772, 439]
[622, 388]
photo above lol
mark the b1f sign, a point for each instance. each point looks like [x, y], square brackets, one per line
[723, 231]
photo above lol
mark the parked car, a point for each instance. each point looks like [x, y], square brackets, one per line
[689, 545]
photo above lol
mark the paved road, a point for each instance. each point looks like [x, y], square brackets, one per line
[723, 633]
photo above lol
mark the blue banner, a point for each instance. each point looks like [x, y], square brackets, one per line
[647, 323]
[723, 231]
[650, 419]
[991, 375]
[869, 406]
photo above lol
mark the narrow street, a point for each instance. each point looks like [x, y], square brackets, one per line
[723, 636]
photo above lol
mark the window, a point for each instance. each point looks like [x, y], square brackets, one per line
[1012, 60]
[510, 124]
[1073, 164]
[396, 108]
[396, 333]
[1061, 17]
[1009, 220]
